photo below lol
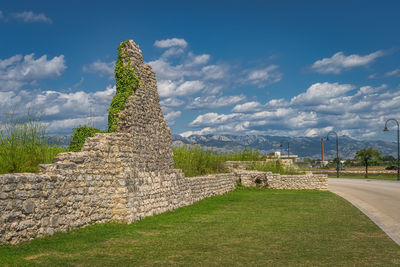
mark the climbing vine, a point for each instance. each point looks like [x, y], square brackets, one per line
[126, 83]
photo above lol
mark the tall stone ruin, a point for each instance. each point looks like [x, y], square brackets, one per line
[121, 176]
[143, 117]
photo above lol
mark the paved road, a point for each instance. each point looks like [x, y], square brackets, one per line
[379, 200]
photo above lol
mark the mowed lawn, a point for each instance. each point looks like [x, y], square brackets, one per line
[246, 227]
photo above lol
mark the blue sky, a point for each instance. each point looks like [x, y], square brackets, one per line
[223, 67]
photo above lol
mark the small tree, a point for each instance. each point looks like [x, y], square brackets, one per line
[367, 156]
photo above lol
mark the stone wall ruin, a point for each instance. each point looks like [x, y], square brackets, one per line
[121, 176]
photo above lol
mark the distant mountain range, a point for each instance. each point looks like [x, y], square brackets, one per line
[309, 147]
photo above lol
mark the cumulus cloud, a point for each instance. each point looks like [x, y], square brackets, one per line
[321, 93]
[30, 16]
[171, 116]
[340, 62]
[322, 107]
[395, 72]
[263, 77]
[19, 70]
[100, 68]
[210, 102]
[168, 88]
[61, 111]
[171, 102]
[170, 43]
[248, 107]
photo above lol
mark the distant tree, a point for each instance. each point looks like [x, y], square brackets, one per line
[367, 156]
[389, 159]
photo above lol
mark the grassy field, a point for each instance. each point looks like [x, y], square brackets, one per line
[247, 227]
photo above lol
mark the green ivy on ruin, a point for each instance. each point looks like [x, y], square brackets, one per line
[126, 84]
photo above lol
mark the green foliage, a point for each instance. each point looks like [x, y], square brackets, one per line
[248, 154]
[367, 156]
[389, 159]
[23, 144]
[126, 83]
[274, 167]
[79, 136]
[196, 161]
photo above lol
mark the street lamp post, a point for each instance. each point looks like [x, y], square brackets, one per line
[337, 151]
[288, 148]
[398, 145]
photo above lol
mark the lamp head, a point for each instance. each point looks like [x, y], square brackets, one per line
[281, 145]
[386, 129]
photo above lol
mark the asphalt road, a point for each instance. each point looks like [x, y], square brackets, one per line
[378, 199]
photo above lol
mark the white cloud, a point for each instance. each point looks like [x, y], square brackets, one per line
[171, 102]
[339, 62]
[321, 93]
[209, 102]
[263, 77]
[189, 88]
[30, 16]
[168, 88]
[170, 43]
[248, 107]
[17, 71]
[395, 72]
[61, 111]
[204, 131]
[194, 60]
[101, 68]
[213, 118]
[323, 107]
[215, 72]
[171, 116]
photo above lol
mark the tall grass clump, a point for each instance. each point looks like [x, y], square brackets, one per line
[23, 144]
[247, 154]
[194, 161]
[274, 166]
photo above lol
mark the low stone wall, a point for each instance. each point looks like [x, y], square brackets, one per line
[277, 181]
[242, 165]
[72, 194]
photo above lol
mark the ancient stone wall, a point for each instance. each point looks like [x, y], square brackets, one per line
[278, 181]
[121, 176]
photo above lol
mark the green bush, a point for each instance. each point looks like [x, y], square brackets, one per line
[126, 83]
[23, 144]
[79, 136]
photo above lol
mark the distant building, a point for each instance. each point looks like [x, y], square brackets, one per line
[323, 163]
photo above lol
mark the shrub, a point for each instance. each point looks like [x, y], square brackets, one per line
[79, 136]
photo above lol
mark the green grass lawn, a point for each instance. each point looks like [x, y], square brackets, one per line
[379, 176]
[247, 227]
